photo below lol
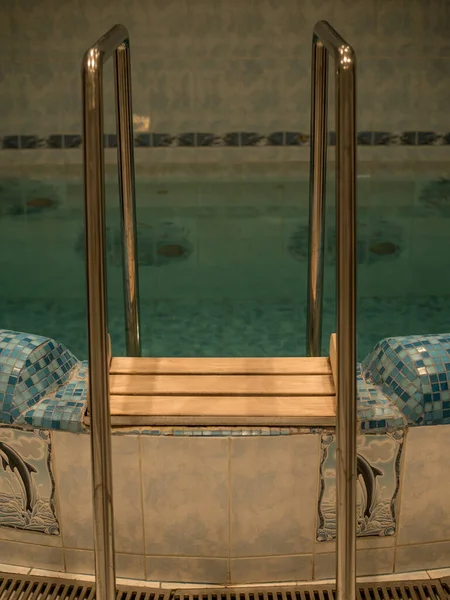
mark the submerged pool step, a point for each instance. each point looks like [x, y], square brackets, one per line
[222, 391]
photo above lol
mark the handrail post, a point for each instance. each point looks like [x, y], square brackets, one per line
[125, 155]
[317, 185]
[326, 39]
[116, 40]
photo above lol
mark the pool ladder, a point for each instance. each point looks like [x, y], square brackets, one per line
[116, 43]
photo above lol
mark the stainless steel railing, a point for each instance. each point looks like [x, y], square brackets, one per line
[327, 40]
[115, 41]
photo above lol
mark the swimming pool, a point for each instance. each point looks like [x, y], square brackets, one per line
[223, 263]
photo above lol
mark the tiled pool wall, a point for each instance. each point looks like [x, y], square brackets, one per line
[220, 67]
[221, 93]
[229, 509]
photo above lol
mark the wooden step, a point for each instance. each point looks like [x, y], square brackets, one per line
[222, 391]
[219, 366]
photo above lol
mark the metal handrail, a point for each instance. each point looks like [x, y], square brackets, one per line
[326, 39]
[115, 41]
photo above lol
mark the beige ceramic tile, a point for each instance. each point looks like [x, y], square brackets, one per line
[73, 576]
[271, 584]
[187, 569]
[273, 495]
[437, 573]
[14, 569]
[130, 566]
[369, 562]
[167, 585]
[43, 557]
[73, 479]
[185, 488]
[425, 508]
[361, 544]
[272, 568]
[413, 576]
[127, 494]
[75, 491]
[139, 583]
[424, 556]
[29, 537]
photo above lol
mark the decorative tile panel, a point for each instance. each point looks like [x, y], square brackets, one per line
[378, 477]
[27, 486]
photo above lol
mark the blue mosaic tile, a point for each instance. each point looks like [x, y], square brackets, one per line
[385, 138]
[296, 138]
[143, 140]
[40, 380]
[429, 138]
[409, 138]
[54, 141]
[31, 142]
[254, 139]
[365, 138]
[414, 372]
[72, 141]
[10, 142]
[276, 138]
[375, 410]
[187, 139]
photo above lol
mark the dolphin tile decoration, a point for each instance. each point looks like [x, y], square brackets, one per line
[27, 486]
[378, 476]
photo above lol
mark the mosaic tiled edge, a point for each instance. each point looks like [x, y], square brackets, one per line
[404, 381]
[42, 384]
[229, 139]
[414, 372]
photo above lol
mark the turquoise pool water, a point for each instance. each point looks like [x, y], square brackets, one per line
[223, 264]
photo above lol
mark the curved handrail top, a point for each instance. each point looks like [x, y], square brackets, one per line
[325, 34]
[105, 47]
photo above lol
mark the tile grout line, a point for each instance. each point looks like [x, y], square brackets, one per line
[54, 462]
[142, 503]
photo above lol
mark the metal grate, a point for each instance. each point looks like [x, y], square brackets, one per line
[25, 587]
[410, 590]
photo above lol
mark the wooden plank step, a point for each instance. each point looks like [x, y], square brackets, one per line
[220, 406]
[221, 392]
[221, 385]
[220, 366]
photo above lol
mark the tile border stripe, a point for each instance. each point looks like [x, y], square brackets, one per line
[241, 139]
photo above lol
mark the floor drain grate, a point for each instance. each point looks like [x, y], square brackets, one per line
[409, 590]
[24, 587]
